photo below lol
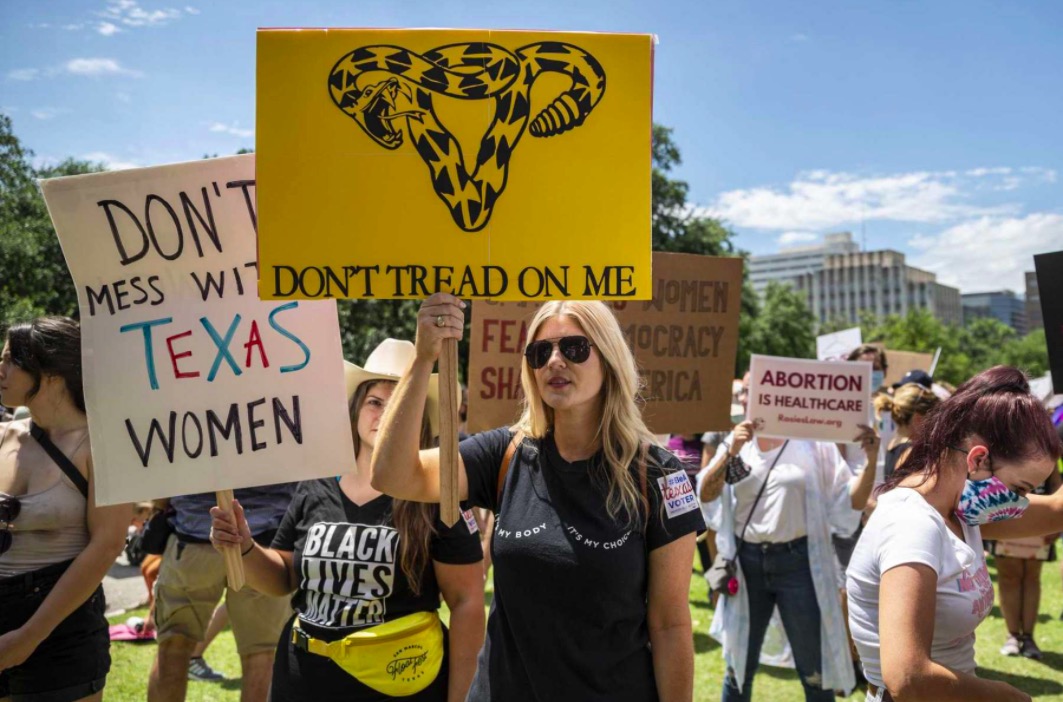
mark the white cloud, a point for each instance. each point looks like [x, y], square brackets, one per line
[988, 253]
[799, 37]
[46, 113]
[123, 97]
[131, 14]
[191, 10]
[790, 238]
[98, 67]
[23, 74]
[233, 130]
[818, 200]
[73, 27]
[111, 163]
[107, 29]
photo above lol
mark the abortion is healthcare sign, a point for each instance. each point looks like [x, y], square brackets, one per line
[512, 165]
[792, 398]
[191, 383]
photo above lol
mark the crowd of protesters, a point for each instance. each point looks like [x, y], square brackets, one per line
[859, 563]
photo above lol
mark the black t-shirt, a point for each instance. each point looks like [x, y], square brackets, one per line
[568, 619]
[348, 560]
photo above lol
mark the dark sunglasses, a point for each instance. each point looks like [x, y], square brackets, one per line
[576, 349]
[9, 510]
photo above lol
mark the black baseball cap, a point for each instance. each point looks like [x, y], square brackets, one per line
[918, 377]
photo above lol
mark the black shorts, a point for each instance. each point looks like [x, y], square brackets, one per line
[73, 661]
[300, 675]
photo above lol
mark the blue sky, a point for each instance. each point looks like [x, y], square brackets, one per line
[928, 127]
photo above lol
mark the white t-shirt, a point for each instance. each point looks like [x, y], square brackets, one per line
[906, 529]
[780, 515]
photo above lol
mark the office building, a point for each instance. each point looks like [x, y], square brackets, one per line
[1003, 305]
[787, 265]
[1034, 320]
[878, 282]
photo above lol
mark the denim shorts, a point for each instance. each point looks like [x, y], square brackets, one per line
[73, 661]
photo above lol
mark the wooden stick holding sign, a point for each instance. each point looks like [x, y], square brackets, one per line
[234, 564]
[449, 510]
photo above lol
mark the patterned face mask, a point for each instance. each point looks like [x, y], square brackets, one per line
[989, 500]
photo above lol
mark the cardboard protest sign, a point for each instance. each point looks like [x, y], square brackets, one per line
[1049, 268]
[791, 398]
[837, 346]
[191, 383]
[492, 164]
[684, 340]
[900, 362]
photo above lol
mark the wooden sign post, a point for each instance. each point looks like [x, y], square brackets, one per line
[449, 509]
[234, 563]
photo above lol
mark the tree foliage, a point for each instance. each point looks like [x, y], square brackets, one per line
[33, 275]
[965, 351]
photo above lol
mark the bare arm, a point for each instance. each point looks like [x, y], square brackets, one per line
[864, 482]
[267, 570]
[668, 619]
[712, 485]
[107, 528]
[398, 468]
[907, 602]
[463, 591]
[1043, 516]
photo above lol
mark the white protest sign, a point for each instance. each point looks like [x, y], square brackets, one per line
[191, 383]
[837, 346]
[792, 398]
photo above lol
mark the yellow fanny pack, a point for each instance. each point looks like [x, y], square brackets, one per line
[397, 658]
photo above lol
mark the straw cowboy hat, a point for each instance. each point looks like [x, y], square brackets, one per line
[389, 361]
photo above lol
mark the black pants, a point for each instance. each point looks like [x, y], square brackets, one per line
[73, 661]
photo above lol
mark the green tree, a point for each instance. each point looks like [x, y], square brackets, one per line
[33, 275]
[784, 326]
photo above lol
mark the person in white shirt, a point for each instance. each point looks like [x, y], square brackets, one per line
[917, 583]
[782, 549]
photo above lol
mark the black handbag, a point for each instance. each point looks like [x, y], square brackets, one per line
[156, 532]
[723, 573]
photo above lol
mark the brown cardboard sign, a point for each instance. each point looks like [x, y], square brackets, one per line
[685, 340]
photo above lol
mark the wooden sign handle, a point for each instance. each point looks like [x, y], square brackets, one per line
[449, 509]
[234, 564]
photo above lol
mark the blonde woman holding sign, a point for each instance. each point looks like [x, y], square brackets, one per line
[56, 543]
[594, 531]
[367, 572]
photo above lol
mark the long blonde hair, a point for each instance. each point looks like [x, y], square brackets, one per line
[621, 430]
[415, 521]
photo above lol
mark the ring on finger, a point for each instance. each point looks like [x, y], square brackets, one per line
[441, 321]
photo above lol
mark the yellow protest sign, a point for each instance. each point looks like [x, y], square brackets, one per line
[505, 164]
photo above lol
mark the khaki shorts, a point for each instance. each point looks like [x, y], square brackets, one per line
[191, 584]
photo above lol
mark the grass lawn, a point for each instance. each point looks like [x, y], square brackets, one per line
[1043, 680]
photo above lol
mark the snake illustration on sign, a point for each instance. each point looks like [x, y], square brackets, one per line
[467, 71]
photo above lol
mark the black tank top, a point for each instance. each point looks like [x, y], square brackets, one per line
[893, 455]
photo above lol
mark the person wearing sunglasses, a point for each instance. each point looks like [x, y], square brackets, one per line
[918, 583]
[594, 531]
[56, 544]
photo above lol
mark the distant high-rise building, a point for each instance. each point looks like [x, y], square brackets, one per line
[1034, 320]
[879, 282]
[788, 264]
[1003, 305]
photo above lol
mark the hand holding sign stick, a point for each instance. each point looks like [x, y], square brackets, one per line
[234, 564]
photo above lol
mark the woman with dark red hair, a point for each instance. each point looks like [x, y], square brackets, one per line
[918, 580]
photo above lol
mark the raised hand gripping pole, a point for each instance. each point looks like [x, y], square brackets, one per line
[449, 510]
[234, 564]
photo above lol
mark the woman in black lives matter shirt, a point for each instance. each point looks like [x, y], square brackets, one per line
[595, 523]
[355, 558]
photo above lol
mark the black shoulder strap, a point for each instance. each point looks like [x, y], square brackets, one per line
[64, 463]
[742, 538]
